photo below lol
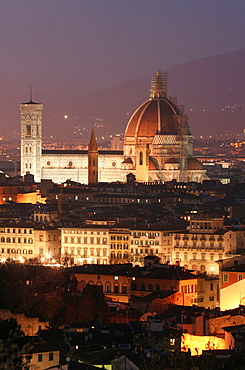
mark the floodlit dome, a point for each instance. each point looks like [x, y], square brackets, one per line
[157, 115]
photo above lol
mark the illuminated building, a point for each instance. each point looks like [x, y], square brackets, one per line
[21, 241]
[157, 147]
[88, 243]
[205, 243]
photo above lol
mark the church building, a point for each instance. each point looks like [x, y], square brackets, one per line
[157, 147]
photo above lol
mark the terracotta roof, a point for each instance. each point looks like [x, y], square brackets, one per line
[146, 119]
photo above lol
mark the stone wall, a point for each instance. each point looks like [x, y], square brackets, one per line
[29, 325]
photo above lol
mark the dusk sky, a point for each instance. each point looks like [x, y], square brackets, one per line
[50, 43]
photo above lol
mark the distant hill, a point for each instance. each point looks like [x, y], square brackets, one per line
[212, 90]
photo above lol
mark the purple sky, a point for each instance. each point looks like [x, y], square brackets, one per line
[49, 43]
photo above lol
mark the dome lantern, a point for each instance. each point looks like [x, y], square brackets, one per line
[158, 85]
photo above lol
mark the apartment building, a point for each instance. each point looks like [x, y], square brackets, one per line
[24, 240]
[87, 243]
[206, 242]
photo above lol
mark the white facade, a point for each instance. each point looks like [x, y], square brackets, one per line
[154, 149]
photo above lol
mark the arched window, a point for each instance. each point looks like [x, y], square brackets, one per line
[203, 269]
[108, 287]
[28, 130]
[2, 240]
[30, 251]
[143, 286]
[150, 288]
[116, 288]
[8, 240]
[141, 158]
[124, 288]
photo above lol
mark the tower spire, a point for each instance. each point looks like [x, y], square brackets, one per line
[158, 85]
[93, 166]
[92, 146]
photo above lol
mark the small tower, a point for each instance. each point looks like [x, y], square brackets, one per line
[31, 138]
[92, 159]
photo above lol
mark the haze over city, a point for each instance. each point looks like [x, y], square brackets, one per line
[93, 60]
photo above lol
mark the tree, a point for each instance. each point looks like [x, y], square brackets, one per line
[14, 346]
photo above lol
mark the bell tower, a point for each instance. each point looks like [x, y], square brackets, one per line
[92, 159]
[31, 138]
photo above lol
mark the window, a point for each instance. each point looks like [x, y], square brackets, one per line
[39, 357]
[124, 289]
[141, 159]
[240, 277]
[28, 130]
[116, 288]
[51, 356]
[211, 286]
[172, 341]
[225, 278]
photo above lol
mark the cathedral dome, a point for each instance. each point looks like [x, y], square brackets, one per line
[194, 164]
[157, 115]
[153, 116]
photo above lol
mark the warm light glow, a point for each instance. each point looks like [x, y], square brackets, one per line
[21, 259]
[197, 343]
[48, 255]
